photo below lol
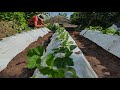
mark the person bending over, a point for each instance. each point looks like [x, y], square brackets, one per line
[36, 21]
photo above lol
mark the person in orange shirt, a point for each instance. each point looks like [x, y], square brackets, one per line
[36, 21]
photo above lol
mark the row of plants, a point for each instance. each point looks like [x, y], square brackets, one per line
[58, 62]
[52, 27]
[110, 31]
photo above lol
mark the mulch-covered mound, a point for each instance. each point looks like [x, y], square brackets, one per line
[17, 67]
[104, 63]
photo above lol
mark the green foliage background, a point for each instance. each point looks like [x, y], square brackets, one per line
[18, 20]
[103, 19]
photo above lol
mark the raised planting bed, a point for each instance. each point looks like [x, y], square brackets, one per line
[61, 59]
[110, 43]
[105, 64]
[13, 45]
[17, 67]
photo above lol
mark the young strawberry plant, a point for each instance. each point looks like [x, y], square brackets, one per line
[59, 62]
[52, 27]
[35, 56]
[58, 66]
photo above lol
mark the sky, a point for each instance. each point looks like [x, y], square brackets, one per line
[56, 13]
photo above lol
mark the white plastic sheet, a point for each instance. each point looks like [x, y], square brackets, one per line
[108, 42]
[114, 27]
[81, 65]
[13, 45]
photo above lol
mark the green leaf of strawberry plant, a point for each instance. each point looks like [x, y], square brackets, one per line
[68, 61]
[59, 63]
[61, 73]
[34, 56]
[33, 61]
[70, 42]
[67, 54]
[73, 71]
[50, 60]
[45, 70]
[57, 73]
[36, 51]
[72, 47]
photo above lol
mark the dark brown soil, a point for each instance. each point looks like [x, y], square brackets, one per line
[17, 67]
[104, 64]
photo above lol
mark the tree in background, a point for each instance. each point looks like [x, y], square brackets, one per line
[103, 19]
[62, 14]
